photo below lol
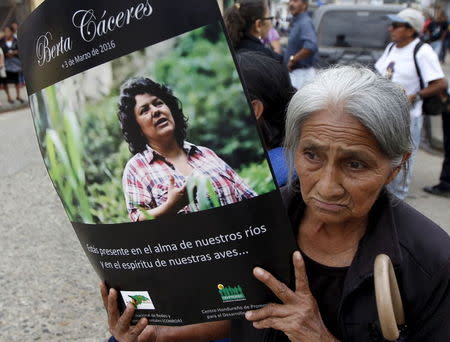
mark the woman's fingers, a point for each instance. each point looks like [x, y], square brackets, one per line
[270, 310]
[104, 293]
[273, 323]
[149, 334]
[123, 323]
[136, 330]
[281, 290]
[113, 311]
[301, 279]
[171, 182]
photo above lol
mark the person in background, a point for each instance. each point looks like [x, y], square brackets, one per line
[12, 63]
[436, 33]
[273, 40]
[270, 91]
[2, 71]
[14, 27]
[444, 24]
[247, 23]
[302, 49]
[428, 18]
[443, 187]
[397, 64]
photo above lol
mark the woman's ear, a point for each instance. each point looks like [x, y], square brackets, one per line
[258, 108]
[258, 23]
[396, 170]
[256, 28]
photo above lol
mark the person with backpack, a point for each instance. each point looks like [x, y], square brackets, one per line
[443, 187]
[414, 66]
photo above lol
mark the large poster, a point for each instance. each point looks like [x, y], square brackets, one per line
[152, 147]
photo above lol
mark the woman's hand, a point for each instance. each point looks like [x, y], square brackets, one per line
[177, 198]
[298, 317]
[119, 326]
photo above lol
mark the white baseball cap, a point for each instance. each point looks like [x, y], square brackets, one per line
[409, 16]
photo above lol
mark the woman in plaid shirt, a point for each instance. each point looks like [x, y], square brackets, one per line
[154, 179]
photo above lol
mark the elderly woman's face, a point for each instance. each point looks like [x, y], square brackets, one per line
[154, 118]
[340, 166]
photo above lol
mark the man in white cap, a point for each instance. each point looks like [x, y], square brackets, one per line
[398, 63]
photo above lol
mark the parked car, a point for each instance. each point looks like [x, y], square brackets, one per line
[349, 34]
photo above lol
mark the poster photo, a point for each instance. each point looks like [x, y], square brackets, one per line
[151, 144]
[97, 129]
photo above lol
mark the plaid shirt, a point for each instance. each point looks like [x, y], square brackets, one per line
[147, 174]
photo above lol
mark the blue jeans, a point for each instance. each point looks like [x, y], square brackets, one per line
[400, 185]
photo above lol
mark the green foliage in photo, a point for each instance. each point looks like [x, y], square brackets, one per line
[203, 75]
[85, 151]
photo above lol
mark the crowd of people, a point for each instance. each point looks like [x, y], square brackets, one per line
[10, 65]
[342, 141]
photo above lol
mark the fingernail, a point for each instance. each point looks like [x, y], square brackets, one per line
[298, 255]
[248, 315]
[258, 271]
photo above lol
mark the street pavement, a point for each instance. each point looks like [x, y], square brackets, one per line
[49, 289]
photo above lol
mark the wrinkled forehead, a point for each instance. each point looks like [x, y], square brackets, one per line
[337, 129]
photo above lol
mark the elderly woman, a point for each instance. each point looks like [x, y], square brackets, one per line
[347, 136]
[154, 179]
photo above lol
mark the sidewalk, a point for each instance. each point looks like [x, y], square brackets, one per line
[7, 107]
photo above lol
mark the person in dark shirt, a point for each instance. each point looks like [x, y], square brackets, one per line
[270, 91]
[247, 23]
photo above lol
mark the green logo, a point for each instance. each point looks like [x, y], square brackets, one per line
[231, 294]
[138, 299]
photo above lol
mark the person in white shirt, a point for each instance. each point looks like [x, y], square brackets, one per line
[397, 64]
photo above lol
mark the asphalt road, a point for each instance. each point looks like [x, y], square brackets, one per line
[49, 290]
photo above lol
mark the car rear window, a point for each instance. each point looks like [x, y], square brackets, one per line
[362, 29]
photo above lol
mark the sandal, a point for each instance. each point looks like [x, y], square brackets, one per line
[20, 100]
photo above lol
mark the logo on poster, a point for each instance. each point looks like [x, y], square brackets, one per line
[231, 294]
[140, 299]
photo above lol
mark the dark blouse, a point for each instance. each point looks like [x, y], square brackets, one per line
[249, 43]
[326, 284]
[420, 253]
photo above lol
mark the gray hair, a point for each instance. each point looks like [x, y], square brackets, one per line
[379, 104]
